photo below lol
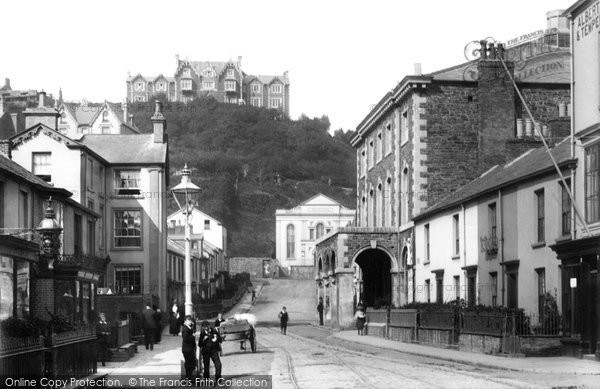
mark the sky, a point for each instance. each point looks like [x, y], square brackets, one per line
[342, 56]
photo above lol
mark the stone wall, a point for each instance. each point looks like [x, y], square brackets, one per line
[541, 346]
[253, 266]
[480, 343]
[302, 272]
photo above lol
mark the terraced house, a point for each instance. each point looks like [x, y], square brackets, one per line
[120, 176]
[431, 134]
[225, 81]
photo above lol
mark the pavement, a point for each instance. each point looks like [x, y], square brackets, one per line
[553, 365]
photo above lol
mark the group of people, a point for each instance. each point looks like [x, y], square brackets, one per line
[360, 317]
[209, 343]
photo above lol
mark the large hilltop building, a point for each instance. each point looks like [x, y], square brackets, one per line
[225, 81]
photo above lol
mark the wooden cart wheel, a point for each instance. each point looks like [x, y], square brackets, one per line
[253, 340]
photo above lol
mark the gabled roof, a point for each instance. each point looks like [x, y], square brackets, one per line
[150, 78]
[267, 80]
[126, 148]
[320, 199]
[55, 135]
[84, 114]
[530, 164]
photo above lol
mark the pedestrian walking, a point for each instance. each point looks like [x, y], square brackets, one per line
[210, 346]
[149, 326]
[174, 320]
[320, 310]
[158, 320]
[103, 336]
[188, 347]
[283, 320]
[360, 317]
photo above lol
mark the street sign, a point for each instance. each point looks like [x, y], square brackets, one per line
[573, 283]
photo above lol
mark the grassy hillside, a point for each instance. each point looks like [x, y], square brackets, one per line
[250, 161]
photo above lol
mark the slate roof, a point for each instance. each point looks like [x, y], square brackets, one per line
[126, 149]
[178, 248]
[84, 115]
[531, 163]
[150, 78]
[266, 80]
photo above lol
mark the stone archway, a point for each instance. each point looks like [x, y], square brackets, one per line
[377, 274]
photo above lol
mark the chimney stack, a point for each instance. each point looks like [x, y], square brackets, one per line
[239, 63]
[159, 124]
[418, 71]
[496, 98]
[5, 148]
[7, 84]
[125, 112]
[14, 118]
[41, 114]
[41, 99]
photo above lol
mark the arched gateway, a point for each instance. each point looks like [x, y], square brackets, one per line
[374, 277]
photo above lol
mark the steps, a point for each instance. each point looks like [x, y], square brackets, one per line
[123, 353]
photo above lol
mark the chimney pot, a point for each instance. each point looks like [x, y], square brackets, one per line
[528, 127]
[562, 110]
[500, 51]
[483, 49]
[418, 69]
[519, 128]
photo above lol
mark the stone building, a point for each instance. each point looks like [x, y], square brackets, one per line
[225, 81]
[431, 134]
[12, 105]
[123, 178]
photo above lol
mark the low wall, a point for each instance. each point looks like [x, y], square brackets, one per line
[541, 346]
[302, 272]
[376, 329]
[486, 344]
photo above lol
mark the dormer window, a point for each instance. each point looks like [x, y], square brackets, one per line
[256, 87]
[230, 72]
[161, 86]
[140, 86]
[208, 72]
[276, 88]
[186, 73]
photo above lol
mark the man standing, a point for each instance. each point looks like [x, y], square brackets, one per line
[158, 320]
[320, 310]
[149, 325]
[188, 347]
[210, 345]
[283, 320]
[103, 333]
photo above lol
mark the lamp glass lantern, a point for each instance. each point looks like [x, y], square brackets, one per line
[185, 194]
[49, 230]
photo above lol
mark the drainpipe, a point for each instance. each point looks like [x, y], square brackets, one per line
[500, 237]
[464, 218]
[573, 186]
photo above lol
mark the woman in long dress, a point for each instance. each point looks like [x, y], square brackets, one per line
[174, 323]
[360, 318]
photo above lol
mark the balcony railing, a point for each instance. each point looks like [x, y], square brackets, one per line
[489, 244]
[83, 260]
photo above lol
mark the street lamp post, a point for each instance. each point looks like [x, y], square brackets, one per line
[49, 231]
[184, 194]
